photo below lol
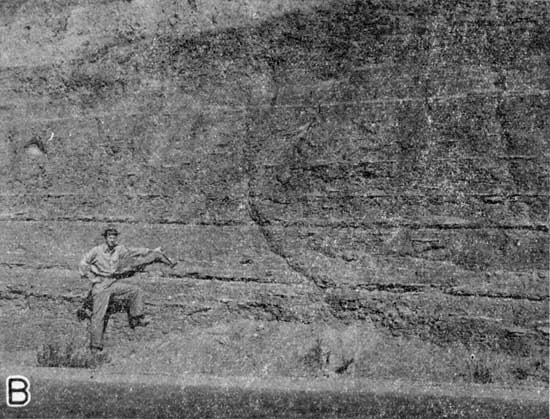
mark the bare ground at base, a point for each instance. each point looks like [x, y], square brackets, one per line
[271, 349]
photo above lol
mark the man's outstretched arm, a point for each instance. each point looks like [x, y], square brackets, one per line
[162, 257]
[136, 258]
[136, 251]
[145, 251]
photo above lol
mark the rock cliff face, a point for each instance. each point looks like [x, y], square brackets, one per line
[367, 161]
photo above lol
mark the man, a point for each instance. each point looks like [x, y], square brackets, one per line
[104, 265]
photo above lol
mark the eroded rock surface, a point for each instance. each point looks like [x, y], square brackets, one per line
[361, 162]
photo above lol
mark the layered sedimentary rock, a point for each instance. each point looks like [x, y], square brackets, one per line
[355, 161]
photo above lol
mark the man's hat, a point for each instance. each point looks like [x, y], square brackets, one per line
[110, 230]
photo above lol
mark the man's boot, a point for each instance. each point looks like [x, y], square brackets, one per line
[98, 357]
[142, 320]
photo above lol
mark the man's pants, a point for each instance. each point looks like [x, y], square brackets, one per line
[128, 295]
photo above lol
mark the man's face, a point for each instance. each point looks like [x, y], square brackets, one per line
[111, 240]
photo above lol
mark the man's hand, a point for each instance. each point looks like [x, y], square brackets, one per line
[165, 259]
[84, 271]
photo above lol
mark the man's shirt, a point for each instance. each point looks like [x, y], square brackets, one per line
[103, 263]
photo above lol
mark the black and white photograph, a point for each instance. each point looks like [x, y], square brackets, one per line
[274, 208]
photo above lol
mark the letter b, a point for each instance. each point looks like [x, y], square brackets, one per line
[18, 392]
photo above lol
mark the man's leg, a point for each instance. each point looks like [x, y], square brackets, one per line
[101, 302]
[85, 311]
[132, 297]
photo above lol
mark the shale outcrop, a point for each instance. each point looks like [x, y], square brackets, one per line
[352, 161]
